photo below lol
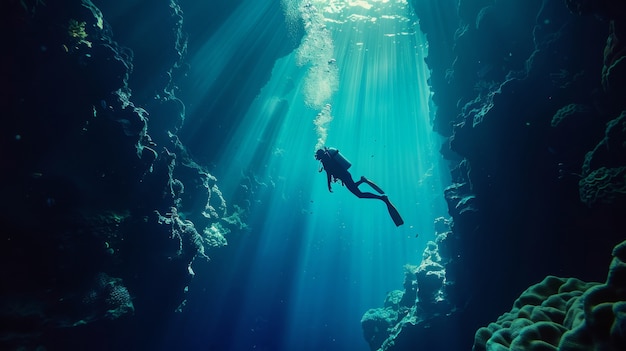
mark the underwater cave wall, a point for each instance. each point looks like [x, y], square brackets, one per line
[104, 209]
[528, 94]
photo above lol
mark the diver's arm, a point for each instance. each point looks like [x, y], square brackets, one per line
[328, 181]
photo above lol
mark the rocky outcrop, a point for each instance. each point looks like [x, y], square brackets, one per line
[527, 93]
[104, 211]
[424, 302]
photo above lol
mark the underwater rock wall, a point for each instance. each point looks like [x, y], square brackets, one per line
[104, 211]
[424, 303]
[529, 95]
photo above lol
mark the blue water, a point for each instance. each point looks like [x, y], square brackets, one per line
[312, 262]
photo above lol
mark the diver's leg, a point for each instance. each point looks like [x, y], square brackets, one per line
[370, 183]
[360, 181]
[353, 187]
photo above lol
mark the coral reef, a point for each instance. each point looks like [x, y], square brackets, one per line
[106, 298]
[564, 314]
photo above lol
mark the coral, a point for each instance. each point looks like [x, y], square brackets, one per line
[564, 314]
[603, 307]
[107, 297]
[603, 185]
[214, 235]
[76, 29]
[568, 111]
[537, 318]
[118, 300]
[216, 205]
[603, 172]
[188, 243]
[236, 219]
[77, 34]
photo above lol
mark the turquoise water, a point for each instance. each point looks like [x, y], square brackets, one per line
[322, 259]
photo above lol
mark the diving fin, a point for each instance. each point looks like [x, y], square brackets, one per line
[395, 215]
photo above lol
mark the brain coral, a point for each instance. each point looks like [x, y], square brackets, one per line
[603, 185]
[564, 314]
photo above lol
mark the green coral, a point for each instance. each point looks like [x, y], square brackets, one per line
[603, 185]
[77, 32]
[564, 315]
[76, 29]
[537, 320]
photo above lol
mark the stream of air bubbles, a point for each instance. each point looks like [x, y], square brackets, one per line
[316, 53]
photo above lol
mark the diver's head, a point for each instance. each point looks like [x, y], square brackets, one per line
[319, 154]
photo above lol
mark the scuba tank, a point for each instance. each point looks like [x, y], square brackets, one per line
[338, 158]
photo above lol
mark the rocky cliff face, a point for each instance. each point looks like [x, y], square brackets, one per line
[104, 212]
[529, 94]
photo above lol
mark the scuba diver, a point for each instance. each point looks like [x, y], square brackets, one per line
[336, 167]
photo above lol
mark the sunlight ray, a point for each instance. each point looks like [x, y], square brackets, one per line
[343, 251]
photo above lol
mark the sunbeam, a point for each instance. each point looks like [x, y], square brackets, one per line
[333, 251]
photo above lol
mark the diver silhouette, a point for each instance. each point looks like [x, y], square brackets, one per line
[336, 167]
